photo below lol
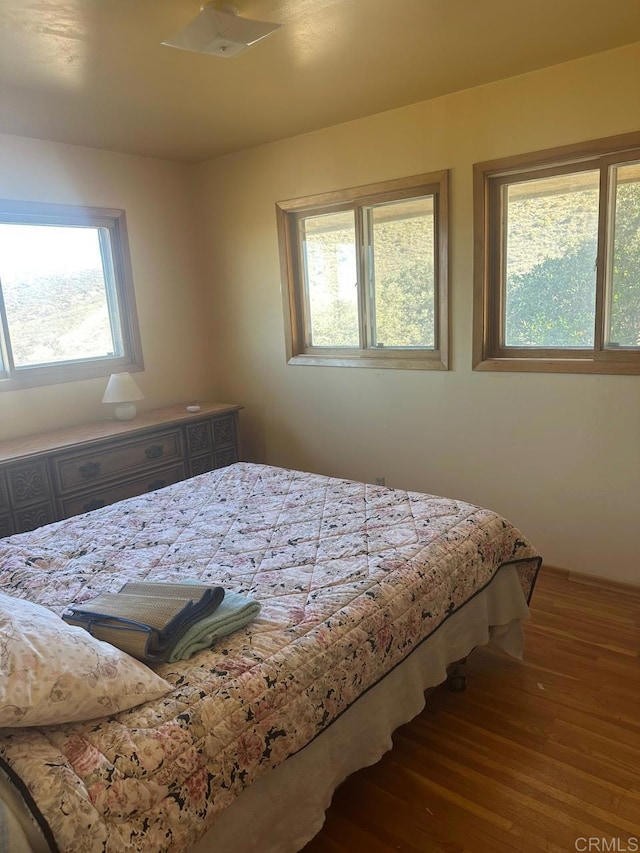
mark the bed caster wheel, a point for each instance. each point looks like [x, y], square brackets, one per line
[457, 682]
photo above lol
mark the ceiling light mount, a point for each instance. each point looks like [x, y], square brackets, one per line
[220, 31]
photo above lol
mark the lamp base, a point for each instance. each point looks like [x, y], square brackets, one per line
[125, 411]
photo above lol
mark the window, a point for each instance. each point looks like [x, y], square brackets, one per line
[557, 264]
[67, 308]
[365, 275]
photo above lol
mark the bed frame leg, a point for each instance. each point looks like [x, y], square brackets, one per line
[457, 677]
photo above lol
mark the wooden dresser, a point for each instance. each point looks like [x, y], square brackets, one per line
[54, 475]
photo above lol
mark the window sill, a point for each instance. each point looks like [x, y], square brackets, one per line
[433, 361]
[38, 377]
[560, 365]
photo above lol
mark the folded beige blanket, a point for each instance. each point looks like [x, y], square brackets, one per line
[146, 620]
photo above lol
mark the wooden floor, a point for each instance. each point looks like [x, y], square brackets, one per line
[535, 756]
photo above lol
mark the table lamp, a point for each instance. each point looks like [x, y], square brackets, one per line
[122, 390]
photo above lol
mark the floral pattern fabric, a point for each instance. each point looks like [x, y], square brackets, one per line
[350, 577]
[51, 672]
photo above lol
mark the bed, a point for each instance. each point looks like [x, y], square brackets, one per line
[367, 595]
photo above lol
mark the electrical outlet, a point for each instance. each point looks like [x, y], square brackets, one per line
[379, 481]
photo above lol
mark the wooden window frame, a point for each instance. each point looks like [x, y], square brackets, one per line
[488, 179]
[21, 212]
[288, 214]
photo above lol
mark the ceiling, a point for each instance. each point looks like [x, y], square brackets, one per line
[94, 72]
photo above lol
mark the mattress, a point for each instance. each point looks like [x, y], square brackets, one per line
[352, 578]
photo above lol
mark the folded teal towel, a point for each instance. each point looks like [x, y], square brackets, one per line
[234, 612]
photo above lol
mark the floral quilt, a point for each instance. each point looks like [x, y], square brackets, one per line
[351, 577]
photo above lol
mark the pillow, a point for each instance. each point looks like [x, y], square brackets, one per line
[51, 672]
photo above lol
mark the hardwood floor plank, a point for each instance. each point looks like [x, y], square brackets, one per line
[532, 756]
[506, 795]
[562, 765]
[342, 833]
[454, 798]
[536, 783]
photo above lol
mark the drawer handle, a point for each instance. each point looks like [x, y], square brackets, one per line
[94, 504]
[154, 452]
[90, 469]
[157, 484]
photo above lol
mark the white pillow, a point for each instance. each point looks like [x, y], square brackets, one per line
[51, 672]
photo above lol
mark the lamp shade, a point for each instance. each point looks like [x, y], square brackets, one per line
[122, 390]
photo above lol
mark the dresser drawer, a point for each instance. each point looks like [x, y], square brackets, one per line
[224, 431]
[210, 461]
[48, 477]
[225, 457]
[6, 525]
[5, 506]
[34, 516]
[199, 437]
[201, 464]
[96, 498]
[27, 483]
[76, 470]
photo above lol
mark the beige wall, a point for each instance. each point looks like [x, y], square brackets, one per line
[558, 455]
[157, 197]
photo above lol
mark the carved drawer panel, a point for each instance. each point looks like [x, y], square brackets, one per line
[34, 516]
[78, 470]
[219, 459]
[96, 498]
[224, 433]
[199, 437]
[201, 464]
[6, 526]
[28, 483]
[226, 457]
[4, 495]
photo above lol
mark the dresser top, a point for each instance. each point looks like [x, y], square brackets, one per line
[76, 436]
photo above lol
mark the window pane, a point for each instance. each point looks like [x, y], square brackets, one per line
[402, 273]
[55, 293]
[329, 256]
[551, 234]
[624, 269]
